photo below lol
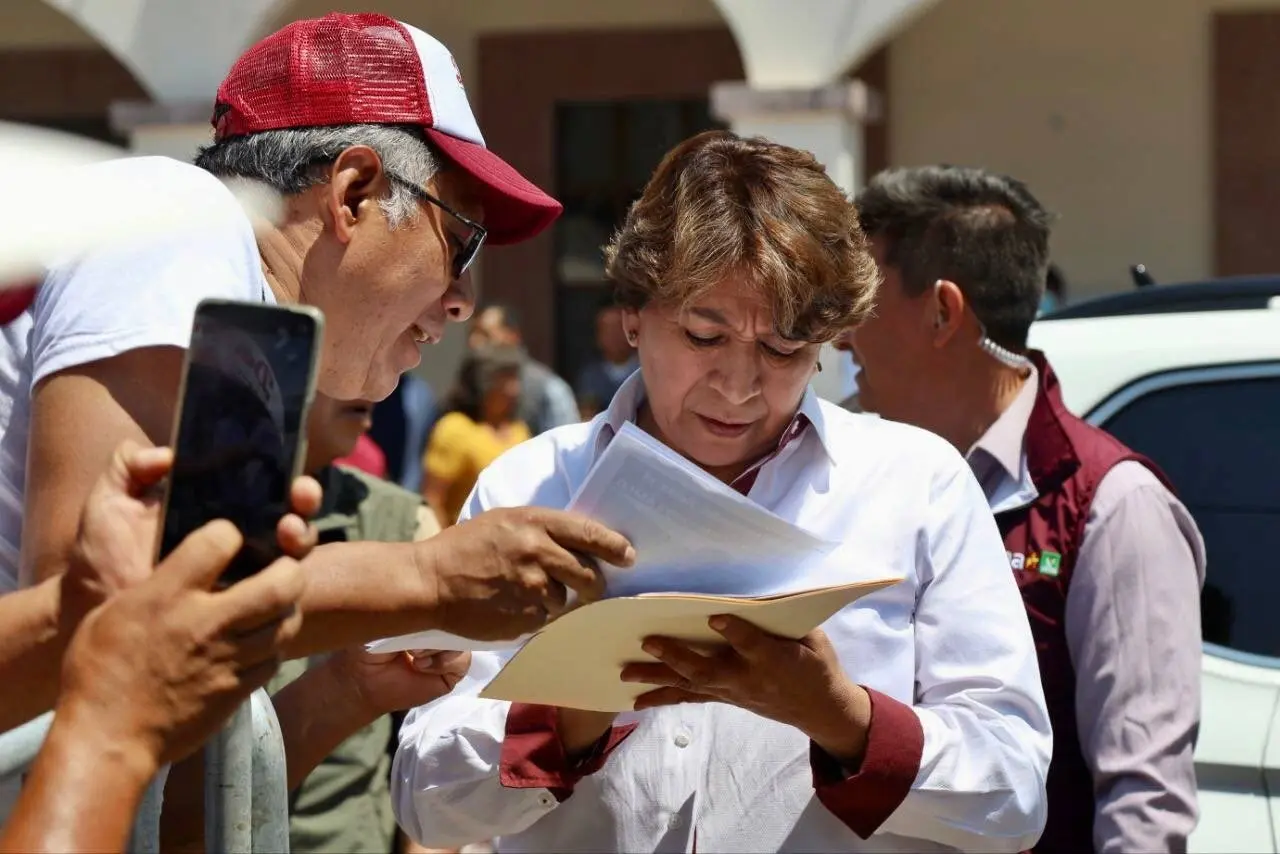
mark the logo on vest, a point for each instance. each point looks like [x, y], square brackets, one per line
[1046, 563]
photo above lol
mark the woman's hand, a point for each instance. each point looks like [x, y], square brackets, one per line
[794, 682]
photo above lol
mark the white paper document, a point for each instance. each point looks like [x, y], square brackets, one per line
[691, 533]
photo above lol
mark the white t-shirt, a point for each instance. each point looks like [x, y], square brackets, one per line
[112, 301]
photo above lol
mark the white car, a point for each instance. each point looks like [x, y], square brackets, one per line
[1190, 376]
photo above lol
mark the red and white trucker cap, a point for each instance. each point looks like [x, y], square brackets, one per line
[371, 69]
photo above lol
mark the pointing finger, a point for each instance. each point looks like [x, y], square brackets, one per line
[583, 534]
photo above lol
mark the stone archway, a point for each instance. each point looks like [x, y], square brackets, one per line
[177, 51]
[55, 74]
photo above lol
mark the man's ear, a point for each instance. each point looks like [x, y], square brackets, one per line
[947, 305]
[356, 182]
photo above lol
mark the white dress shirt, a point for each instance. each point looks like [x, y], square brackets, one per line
[947, 656]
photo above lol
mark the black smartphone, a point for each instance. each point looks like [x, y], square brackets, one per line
[240, 432]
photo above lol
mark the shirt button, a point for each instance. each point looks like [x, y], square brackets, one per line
[675, 820]
[547, 800]
[681, 740]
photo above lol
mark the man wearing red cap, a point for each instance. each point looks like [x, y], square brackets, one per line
[362, 125]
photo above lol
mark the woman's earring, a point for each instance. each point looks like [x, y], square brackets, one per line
[631, 337]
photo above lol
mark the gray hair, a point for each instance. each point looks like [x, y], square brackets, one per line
[288, 160]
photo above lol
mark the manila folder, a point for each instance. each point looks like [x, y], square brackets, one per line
[575, 661]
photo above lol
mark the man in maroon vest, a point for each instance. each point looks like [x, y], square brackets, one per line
[1110, 563]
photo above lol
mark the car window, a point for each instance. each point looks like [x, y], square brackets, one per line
[1219, 443]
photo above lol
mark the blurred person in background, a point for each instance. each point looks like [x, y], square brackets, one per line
[912, 720]
[1109, 562]
[482, 421]
[546, 400]
[402, 421]
[344, 804]
[366, 456]
[600, 380]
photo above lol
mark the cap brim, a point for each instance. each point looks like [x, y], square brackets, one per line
[514, 209]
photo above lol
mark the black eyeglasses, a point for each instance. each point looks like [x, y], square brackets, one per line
[469, 248]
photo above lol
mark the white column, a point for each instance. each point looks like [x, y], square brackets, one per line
[177, 49]
[175, 130]
[827, 121]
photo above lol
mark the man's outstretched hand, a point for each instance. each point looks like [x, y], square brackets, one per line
[505, 572]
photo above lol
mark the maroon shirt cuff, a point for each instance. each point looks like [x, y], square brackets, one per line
[533, 756]
[866, 798]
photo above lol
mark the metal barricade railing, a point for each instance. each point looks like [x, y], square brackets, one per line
[270, 779]
[19, 746]
[246, 788]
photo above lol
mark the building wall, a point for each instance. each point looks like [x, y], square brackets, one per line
[460, 24]
[1103, 107]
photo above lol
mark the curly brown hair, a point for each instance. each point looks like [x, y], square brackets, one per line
[720, 205]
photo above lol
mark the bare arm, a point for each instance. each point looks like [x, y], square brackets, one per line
[111, 552]
[201, 653]
[29, 640]
[313, 730]
[81, 795]
[318, 711]
[78, 418]
[359, 592]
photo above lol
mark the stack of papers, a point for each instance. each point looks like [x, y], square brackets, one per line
[692, 533]
[701, 549]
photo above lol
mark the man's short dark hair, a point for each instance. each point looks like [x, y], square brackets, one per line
[981, 230]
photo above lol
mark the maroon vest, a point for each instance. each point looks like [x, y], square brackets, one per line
[1067, 458]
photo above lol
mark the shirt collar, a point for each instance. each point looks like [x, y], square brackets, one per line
[626, 403]
[1003, 440]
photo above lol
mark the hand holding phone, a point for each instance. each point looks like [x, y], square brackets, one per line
[240, 435]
